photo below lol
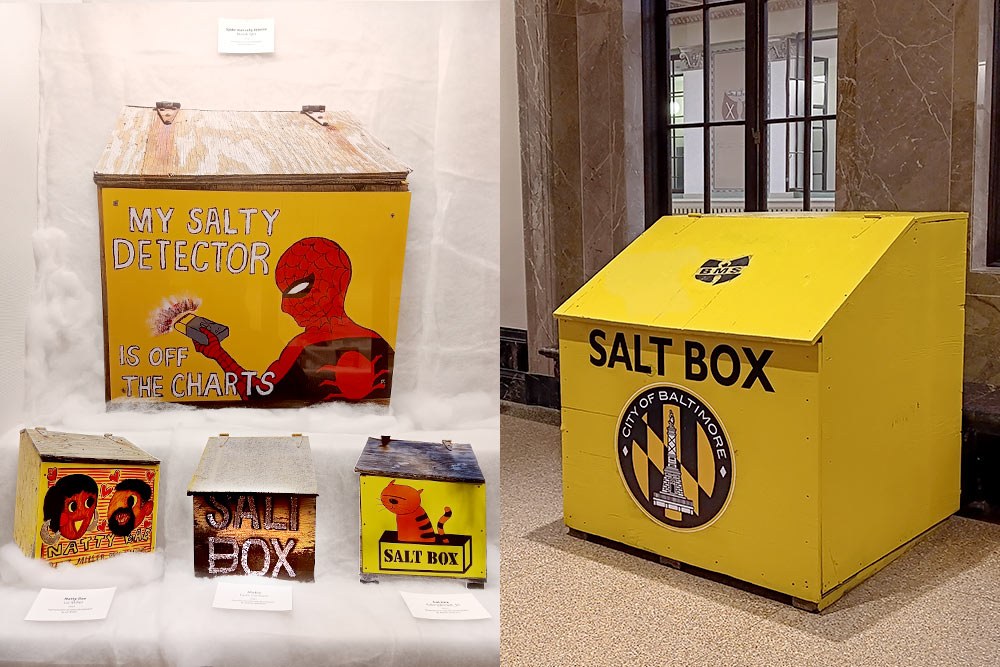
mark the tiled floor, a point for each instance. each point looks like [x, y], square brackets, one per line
[569, 602]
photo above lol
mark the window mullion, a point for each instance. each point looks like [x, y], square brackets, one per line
[755, 137]
[706, 107]
[807, 167]
[993, 199]
[656, 124]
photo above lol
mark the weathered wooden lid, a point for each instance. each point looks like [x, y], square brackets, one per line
[53, 446]
[166, 146]
[408, 459]
[255, 465]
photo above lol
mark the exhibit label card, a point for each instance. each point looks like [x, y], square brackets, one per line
[55, 604]
[246, 35]
[448, 607]
[252, 596]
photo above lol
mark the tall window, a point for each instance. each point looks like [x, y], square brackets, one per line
[992, 254]
[676, 135]
[739, 105]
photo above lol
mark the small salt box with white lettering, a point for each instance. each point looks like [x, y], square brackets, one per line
[82, 498]
[423, 510]
[255, 508]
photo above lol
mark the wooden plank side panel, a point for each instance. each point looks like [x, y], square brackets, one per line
[26, 522]
[126, 149]
[241, 549]
[891, 401]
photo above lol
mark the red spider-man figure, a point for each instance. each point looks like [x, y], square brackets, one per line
[334, 357]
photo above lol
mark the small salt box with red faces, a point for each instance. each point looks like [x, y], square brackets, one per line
[82, 498]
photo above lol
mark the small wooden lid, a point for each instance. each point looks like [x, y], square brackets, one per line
[282, 465]
[245, 148]
[57, 447]
[408, 459]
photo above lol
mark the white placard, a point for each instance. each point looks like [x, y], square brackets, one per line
[447, 607]
[252, 596]
[246, 35]
[56, 604]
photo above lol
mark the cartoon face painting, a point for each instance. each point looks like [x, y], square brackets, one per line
[412, 522]
[70, 508]
[313, 275]
[130, 504]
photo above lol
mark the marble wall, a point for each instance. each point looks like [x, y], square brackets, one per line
[906, 131]
[906, 85]
[571, 83]
[906, 138]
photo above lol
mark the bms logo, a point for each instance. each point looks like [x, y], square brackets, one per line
[674, 457]
[716, 271]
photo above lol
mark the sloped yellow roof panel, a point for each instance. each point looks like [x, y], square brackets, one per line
[772, 276]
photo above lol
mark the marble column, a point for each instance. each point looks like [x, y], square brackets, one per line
[573, 158]
[905, 115]
[906, 130]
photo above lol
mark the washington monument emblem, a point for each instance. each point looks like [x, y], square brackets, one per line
[671, 494]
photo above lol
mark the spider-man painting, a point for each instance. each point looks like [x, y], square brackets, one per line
[334, 358]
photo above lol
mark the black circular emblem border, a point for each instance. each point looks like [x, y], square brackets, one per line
[693, 414]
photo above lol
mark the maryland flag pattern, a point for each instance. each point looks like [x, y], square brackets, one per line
[674, 457]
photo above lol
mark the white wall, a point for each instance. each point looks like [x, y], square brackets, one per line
[513, 296]
[18, 192]
[421, 75]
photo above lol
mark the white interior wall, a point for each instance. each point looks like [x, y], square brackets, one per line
[139, 55]
[513, 296]
[18, 192]
[777, 145]
[421, 75]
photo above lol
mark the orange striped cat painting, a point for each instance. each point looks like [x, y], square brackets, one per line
[412, 522]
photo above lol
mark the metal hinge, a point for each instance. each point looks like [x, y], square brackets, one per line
[167, 111]
[317, 112]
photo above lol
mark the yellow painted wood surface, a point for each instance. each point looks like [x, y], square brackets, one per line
[468, 520]
[769, 531]
[26, 521]
[144, 269]
[853, 454]
[800, 271]
[892, 400]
